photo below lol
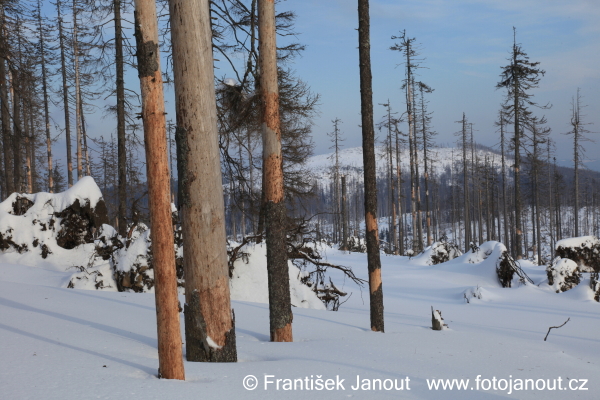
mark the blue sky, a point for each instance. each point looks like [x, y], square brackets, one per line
[464, 43]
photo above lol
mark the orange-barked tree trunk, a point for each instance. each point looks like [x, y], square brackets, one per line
[170, 355]
[280, 306]
[209, 323]
[368, 135]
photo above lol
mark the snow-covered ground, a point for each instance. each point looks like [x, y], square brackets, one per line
[59, 343]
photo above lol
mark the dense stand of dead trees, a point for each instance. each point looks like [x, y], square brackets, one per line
[220, 124]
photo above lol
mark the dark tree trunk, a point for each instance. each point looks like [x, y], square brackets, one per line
[46, 100]
[121, 138]
[65, 93]
[368, 134]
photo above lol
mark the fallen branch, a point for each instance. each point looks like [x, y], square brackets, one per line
[552, 327]
[307, 254]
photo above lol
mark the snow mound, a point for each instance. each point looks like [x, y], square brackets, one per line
[438, 253]
[563, 274]
[584, 250]
[52, 231]
[249, 280]
[492, 264]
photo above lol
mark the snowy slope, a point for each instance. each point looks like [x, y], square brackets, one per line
[58, 343]
[351, 161]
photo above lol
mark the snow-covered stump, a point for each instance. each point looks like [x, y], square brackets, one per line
[437, 322]
[563, 274]
[584, 250]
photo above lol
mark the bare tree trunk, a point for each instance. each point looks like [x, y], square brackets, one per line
[399, 196]
[77, 92]
[280, 310]
[344, 216]
[170, 355]
[507, 240]
[575, 120]
[86, 153]
[467, 219]
[5, 112]
[65, 93]
[368, 134]
[6, 130]
[426, 171]
[46, 100]
[17, 129]
[121, 138]
[28, 152]
[209, 325]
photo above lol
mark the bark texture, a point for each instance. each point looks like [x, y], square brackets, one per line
[170, 355]
[199, 169]
[368, 135]
[280, 306]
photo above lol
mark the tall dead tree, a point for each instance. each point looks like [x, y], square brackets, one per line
[370, 178]
[280, 306]
[577, 132]
[78, 107]
[467, 208]
[406, 46]
[507, 242]
[7, 135]
[519, 78]
[344, 216]
[426, 134]
[65, 89]
[539, 135]
[121, 138]
[209, 324]
[42, 31]
[170, 355]
[336, 138]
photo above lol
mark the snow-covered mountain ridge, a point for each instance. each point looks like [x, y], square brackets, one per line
[351, 161]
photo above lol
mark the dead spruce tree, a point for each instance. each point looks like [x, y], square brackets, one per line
[209, 323]
[45, 56]
[519, 77]
[368, 136]
[578, 132]
[336, 139]
[280, 306]
[170, 356]
[408, 49]
[462, 134]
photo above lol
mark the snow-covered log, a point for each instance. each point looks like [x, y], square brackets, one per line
[563, 274]
[584, 250]
[44, 221]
